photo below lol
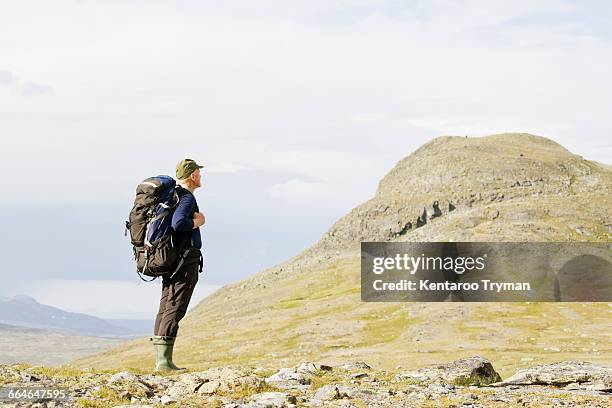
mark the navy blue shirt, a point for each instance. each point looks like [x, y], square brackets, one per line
[182, 219]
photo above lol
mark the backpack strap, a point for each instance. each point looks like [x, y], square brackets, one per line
[181, 262]
[145, 280]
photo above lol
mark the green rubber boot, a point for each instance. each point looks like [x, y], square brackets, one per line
[163, 351]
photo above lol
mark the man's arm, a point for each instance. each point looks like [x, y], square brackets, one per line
[181, 219]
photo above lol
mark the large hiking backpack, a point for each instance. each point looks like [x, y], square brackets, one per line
[150, 227]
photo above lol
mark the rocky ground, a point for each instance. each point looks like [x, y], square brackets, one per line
[471, 382]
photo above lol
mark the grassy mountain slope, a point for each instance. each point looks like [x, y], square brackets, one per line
[510, 187]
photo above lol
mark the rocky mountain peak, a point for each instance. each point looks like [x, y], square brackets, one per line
[453, 164]
[454, 173]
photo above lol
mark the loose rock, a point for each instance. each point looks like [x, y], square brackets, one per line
[473, 370]
[576, 375]
[287, 378]
[327, 393]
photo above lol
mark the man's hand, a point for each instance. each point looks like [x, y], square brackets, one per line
[198, 220]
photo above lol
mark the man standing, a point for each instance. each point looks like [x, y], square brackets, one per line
[177, 290]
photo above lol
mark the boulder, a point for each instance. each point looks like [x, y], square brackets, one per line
[271, 400]
[574, 375]
[123, 376]
[266, 400]
[155, 381]
[307, 368]
[27, 377]
[288, 378]
[210, 387]
[327, 393]
[469, 371]
[166, 400]
[212, 381]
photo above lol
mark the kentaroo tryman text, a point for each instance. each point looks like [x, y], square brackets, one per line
[425, 284]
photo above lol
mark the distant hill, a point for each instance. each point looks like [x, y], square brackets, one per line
[507, 187]
[25, 311]
[37, 346]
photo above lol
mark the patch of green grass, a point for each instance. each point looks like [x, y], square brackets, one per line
[359, 403]
[335, 290]
[107, 393]
[385, 327]
[21, 366]
[288, 303]
[572, 182]
[58, 372]
[247, 391]
[89, 403]
[7, 379]
[291, 343]
[196, 401]
[66, 371]
[322, 377]
[265, 372]
[107, 396]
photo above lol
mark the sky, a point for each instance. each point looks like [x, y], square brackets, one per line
[296, 108]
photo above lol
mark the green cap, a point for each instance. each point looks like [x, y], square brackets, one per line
[185, 167]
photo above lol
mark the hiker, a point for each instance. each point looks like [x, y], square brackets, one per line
[177, 290]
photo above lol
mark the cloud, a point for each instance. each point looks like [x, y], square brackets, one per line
[323, 89]
[299, 192]
[6, 77]
[31, 88]
[13, 82]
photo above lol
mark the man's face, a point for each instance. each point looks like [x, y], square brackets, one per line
[196, 177]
